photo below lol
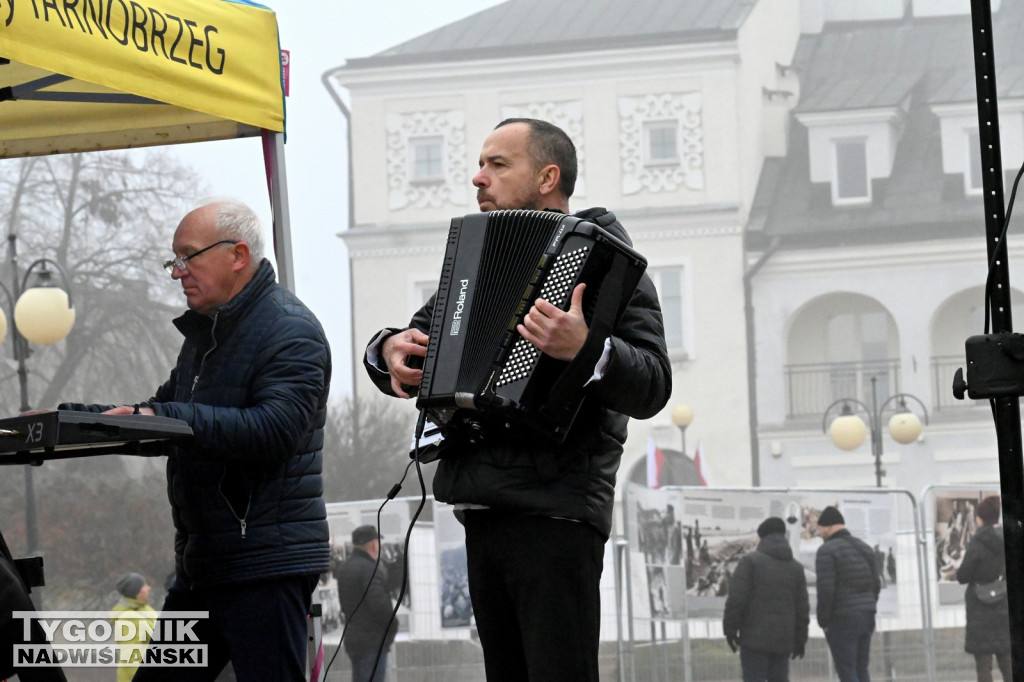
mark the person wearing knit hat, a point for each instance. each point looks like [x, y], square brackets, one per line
[767, 610]
[830, 516]
[988, 511]
[128, 615]
[773, 524]
[848, 585]
[130, 584]
[983, 569]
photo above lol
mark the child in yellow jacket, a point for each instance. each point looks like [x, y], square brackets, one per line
[132, 631]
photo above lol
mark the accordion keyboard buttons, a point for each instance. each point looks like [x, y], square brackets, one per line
[556, 290]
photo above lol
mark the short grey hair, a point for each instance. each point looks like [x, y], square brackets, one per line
[235, 220]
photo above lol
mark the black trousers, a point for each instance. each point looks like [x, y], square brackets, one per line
[260, 627]
[535, 586]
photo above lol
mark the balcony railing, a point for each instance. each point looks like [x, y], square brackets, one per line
[811, 388]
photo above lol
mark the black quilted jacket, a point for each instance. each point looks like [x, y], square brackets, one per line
[512, 470]
[847, 579]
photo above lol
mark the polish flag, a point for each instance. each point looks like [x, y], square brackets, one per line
[655, 463]
[698, 460]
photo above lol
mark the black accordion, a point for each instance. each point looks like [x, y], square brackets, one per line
[478, 369]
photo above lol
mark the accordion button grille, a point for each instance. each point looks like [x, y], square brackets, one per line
[556, 290]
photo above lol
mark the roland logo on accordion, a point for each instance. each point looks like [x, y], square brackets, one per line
[496, 266]
[460, 306]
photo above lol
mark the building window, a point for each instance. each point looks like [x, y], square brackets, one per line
[676, 309]
[422, 291]
[425, 157]
[426, 160]
[661, 143]
[973, 180]
[851, 184]
[858, 350]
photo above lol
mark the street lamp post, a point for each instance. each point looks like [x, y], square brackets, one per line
[682, 416]
[41, 314]
[848, 430]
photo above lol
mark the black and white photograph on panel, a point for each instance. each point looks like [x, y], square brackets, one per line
[656, 542]
[719, 528]
[450, 539]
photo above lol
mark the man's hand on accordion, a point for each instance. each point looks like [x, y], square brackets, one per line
[396, 350]
[556, 332]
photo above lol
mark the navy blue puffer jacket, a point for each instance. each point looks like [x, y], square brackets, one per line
[246, 494]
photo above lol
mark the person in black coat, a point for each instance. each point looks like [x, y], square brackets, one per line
[369, 621]
[988, 625]
[767, 610]
[848, 587]
[538, 513]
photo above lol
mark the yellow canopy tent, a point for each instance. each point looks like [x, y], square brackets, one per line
[87, 75]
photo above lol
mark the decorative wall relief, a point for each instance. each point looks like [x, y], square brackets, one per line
[452, 188]
[641, 173]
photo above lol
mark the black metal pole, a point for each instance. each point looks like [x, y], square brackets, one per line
[876, 434]
[876, 451]
[1007, 410]
[31, 527]
[20, 354]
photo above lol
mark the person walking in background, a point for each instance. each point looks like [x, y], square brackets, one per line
[767, 610]
[988, 616]
[367, 605]
[128, 615]
[848, 587]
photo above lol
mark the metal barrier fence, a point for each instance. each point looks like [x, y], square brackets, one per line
[717, 527]
[674, 633]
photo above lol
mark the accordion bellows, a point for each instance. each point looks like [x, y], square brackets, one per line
[496, 265]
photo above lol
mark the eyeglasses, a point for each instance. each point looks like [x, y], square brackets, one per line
[181, 262]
